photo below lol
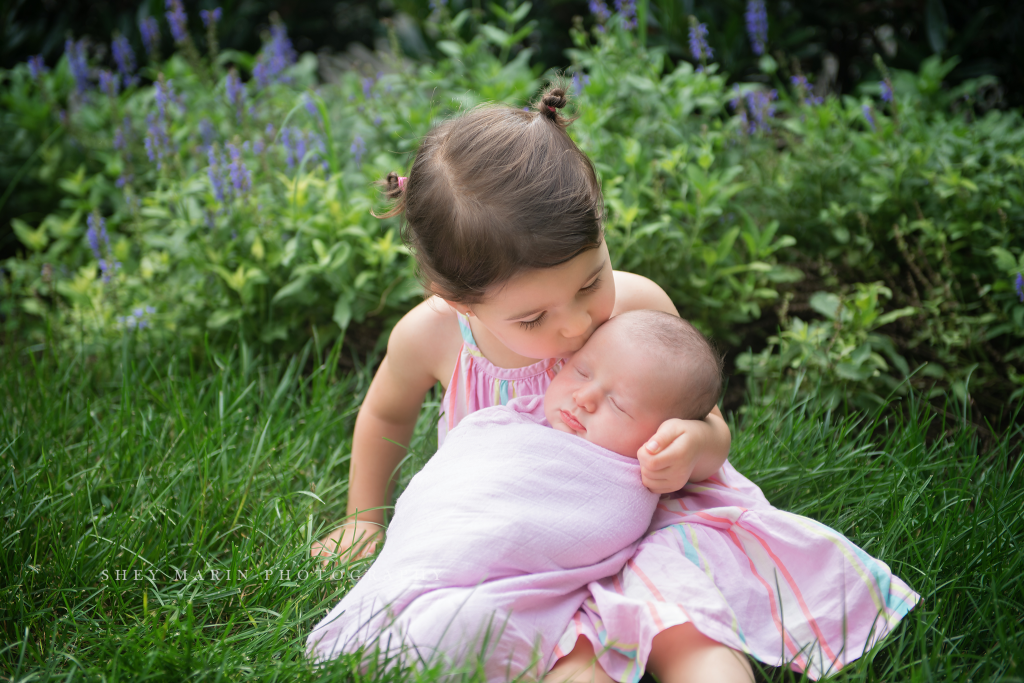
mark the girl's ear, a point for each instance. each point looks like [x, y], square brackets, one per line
[460, 307]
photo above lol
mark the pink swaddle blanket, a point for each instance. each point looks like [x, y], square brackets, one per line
[492, 546]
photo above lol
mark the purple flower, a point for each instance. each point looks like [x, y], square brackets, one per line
[358, 148]
[241, 177]
[110, 83]
[164, 95]
[868, 115]
[97, 235]
[269, 130]
[627, 10]
[755, 109]
[1020, 286]
[150, 31]
[600, 11]
[236, 93]
[158, 143]
[367, 86]
[258, 146]
[886, 88]
[698, 42]
[377, 119]
[803, 88]
[207, 132]
[276, 56]
[36, 67]
[210, 17]
[77, 63]
[311, 107]
[100, 245]
[123, 134]
[579, 83]
[215, 174]
[139, 318]
[757, 25]
[124, 57]
[177, 19]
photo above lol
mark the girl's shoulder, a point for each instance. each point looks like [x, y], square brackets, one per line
[634, 292]
[426, 340]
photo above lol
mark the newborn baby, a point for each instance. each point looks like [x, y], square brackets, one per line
[636, 371]
[494, 541]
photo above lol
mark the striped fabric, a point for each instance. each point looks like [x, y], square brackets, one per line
[476, 383]
[780, 587]
[777, 586]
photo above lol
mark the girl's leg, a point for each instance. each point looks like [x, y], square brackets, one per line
[682, 654]
[579, 666]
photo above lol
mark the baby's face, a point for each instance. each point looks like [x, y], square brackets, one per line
[611, 392]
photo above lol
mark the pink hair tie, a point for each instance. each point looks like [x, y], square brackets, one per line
[401, 182]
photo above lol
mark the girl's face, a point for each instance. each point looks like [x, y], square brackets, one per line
[551, 312]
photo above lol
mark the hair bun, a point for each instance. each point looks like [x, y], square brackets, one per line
[553, 100]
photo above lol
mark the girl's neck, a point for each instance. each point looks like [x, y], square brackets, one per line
[496, 352]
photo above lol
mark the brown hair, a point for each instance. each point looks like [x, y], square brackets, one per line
[495, 192]
[686, 351]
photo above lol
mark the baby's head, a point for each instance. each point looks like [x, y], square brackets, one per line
[637, 370]
[496, 192]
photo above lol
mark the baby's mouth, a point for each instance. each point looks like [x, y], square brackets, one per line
[571, 421]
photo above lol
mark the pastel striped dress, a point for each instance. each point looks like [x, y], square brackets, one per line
[780, 587]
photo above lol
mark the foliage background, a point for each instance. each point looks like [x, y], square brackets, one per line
[193, 295]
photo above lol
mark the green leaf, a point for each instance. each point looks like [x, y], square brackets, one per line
[293, 289]
[520, 12]
[36, 240]
[343, 311]
[450, 48]
[496, 35]
[222, 317]
[887, 318]
[825, 303]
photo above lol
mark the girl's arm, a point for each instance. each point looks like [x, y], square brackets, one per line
[681, 450]
[386, 419]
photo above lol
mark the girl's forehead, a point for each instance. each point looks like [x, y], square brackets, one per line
[535, 290]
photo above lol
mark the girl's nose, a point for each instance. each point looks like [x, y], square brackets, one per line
[577, 323]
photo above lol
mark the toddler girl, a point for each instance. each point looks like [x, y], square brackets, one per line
[495, 540]
[503, 213]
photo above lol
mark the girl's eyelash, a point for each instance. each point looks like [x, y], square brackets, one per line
[530, 324]
[592, 286]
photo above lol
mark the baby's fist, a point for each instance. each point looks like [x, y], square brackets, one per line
[668, 457]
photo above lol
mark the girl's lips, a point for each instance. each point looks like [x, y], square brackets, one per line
[571, 421]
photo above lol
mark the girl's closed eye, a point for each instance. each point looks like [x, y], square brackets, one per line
[592, 286]
[530, 324]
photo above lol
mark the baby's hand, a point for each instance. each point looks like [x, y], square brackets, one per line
[668, 458]
[353, 540]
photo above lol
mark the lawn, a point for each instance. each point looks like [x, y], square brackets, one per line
[158, 515]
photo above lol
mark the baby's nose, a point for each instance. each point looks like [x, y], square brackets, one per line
[584, 398]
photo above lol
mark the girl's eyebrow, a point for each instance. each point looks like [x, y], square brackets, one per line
[535, 311]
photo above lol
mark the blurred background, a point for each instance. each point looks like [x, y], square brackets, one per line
[834, 39]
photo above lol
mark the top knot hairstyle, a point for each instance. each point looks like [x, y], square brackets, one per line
[495, 192]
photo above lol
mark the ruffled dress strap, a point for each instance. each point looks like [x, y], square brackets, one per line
[477, 383]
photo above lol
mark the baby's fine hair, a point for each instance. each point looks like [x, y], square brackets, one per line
[684, 349]
[495, 192]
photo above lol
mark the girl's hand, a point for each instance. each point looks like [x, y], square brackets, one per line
[351, 541]
[682, 451]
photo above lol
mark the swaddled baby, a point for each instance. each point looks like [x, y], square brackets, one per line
[494, 541]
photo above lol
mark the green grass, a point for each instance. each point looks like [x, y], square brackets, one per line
[239, 464]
